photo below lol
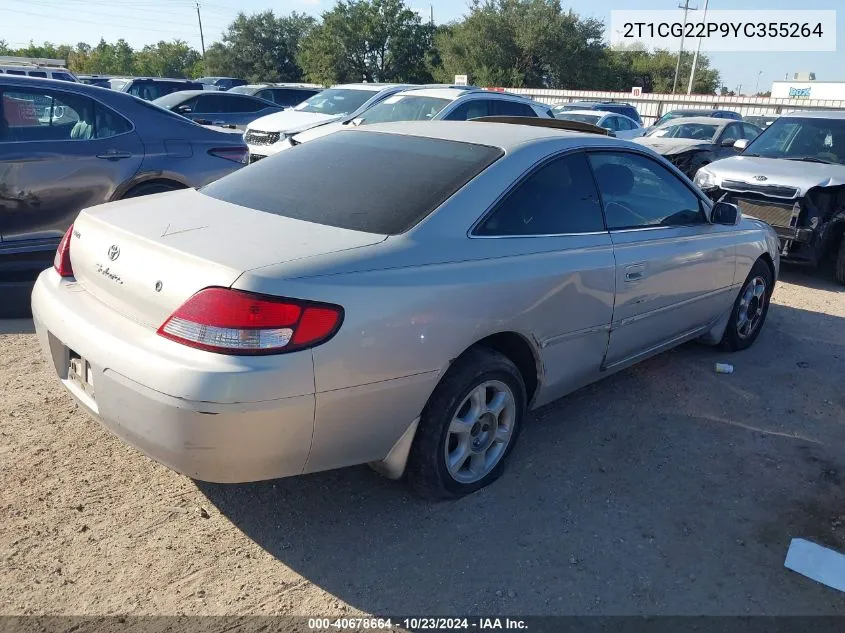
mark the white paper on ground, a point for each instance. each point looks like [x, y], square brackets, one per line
[817, 563]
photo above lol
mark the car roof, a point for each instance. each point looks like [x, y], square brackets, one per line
[438, 93]
[704, 111]
[23, 80]
[815, 114]
[709, 120]
[507, 136]
[169, 79]
[193, 93]
[370, 87]
[591, 112]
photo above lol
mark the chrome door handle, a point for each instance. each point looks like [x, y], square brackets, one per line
[114, 154]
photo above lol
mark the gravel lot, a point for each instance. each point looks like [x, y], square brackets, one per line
[666, 489]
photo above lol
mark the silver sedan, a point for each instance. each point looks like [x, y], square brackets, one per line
[398, 295]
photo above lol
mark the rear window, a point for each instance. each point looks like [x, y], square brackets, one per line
[363, 181]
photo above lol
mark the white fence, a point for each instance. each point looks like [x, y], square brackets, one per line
[651, 106]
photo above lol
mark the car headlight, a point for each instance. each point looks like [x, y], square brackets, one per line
[705, 179]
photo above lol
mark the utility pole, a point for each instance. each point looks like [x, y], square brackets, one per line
[757, 83]
[685, 6]
[202, 39]
[431, 8]
[697, 50]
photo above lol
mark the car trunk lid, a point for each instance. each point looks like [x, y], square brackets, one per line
[145, 256]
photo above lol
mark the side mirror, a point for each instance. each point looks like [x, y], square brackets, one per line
[184, 109]
[728, 142]
[741, 144]
[725, 213]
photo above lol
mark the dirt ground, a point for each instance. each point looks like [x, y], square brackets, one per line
[666, 489]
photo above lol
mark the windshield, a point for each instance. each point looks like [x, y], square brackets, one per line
[156, 107]
[404, 108]
[335, 101]
[677, 114]
[797, 138]
[243, 90]
[209, 81]
[118, 84]
[378, 183]
[583, 118]
[698, 131]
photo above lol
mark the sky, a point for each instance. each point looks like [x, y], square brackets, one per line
[147, 21]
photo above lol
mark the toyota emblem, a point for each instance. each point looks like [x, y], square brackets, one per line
[114, 252]
[760, 178]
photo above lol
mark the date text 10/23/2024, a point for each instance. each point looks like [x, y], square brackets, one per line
[416, 624]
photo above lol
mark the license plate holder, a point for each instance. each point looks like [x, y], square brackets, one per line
[81, 373]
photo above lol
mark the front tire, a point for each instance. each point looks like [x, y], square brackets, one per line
[468, 427]
[750, 308]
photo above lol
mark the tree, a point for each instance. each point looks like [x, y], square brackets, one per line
[368, 40]
[165, 59]
[260, 47]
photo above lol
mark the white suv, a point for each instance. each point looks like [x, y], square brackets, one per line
[264, 136]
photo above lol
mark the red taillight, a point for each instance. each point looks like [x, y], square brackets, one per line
[61, 262]
[236, 153]
[237, 322]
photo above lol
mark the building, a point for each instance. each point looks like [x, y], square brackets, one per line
[804, 86]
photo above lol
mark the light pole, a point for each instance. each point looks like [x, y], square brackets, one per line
[697, 50]
[757, 84]
[685, 6]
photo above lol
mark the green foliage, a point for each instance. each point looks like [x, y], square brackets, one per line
[513, 43]
[260, 47]
[368, 40]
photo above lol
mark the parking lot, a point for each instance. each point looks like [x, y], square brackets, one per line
[665, 489]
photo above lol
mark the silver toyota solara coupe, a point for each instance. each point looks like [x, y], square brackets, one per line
[398, 295]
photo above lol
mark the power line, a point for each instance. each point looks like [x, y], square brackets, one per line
[67, 19]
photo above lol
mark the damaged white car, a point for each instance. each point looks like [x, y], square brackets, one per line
[793, 177]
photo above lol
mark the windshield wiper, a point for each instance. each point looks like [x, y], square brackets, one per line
[813, 159]
[746, 155]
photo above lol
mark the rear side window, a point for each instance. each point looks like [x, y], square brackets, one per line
[377, 183]
[245, 104]
[512, 108]
[559, 197]
[46, 115]
[37, 73]
[474, 109]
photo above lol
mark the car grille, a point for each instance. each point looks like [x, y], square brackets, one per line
[254, 137]
[776, 191]
[778, 214]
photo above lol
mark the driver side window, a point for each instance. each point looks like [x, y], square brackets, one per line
[732, 133]
[639, 192]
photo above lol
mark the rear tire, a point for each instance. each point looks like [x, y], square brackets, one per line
[150, 188]
[839, 269]
[468, 427]
[750, 309]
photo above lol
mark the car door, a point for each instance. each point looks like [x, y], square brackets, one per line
[674, 270]
[551, 223]
[60, 152]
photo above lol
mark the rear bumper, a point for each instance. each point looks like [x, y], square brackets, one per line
[198, 417]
